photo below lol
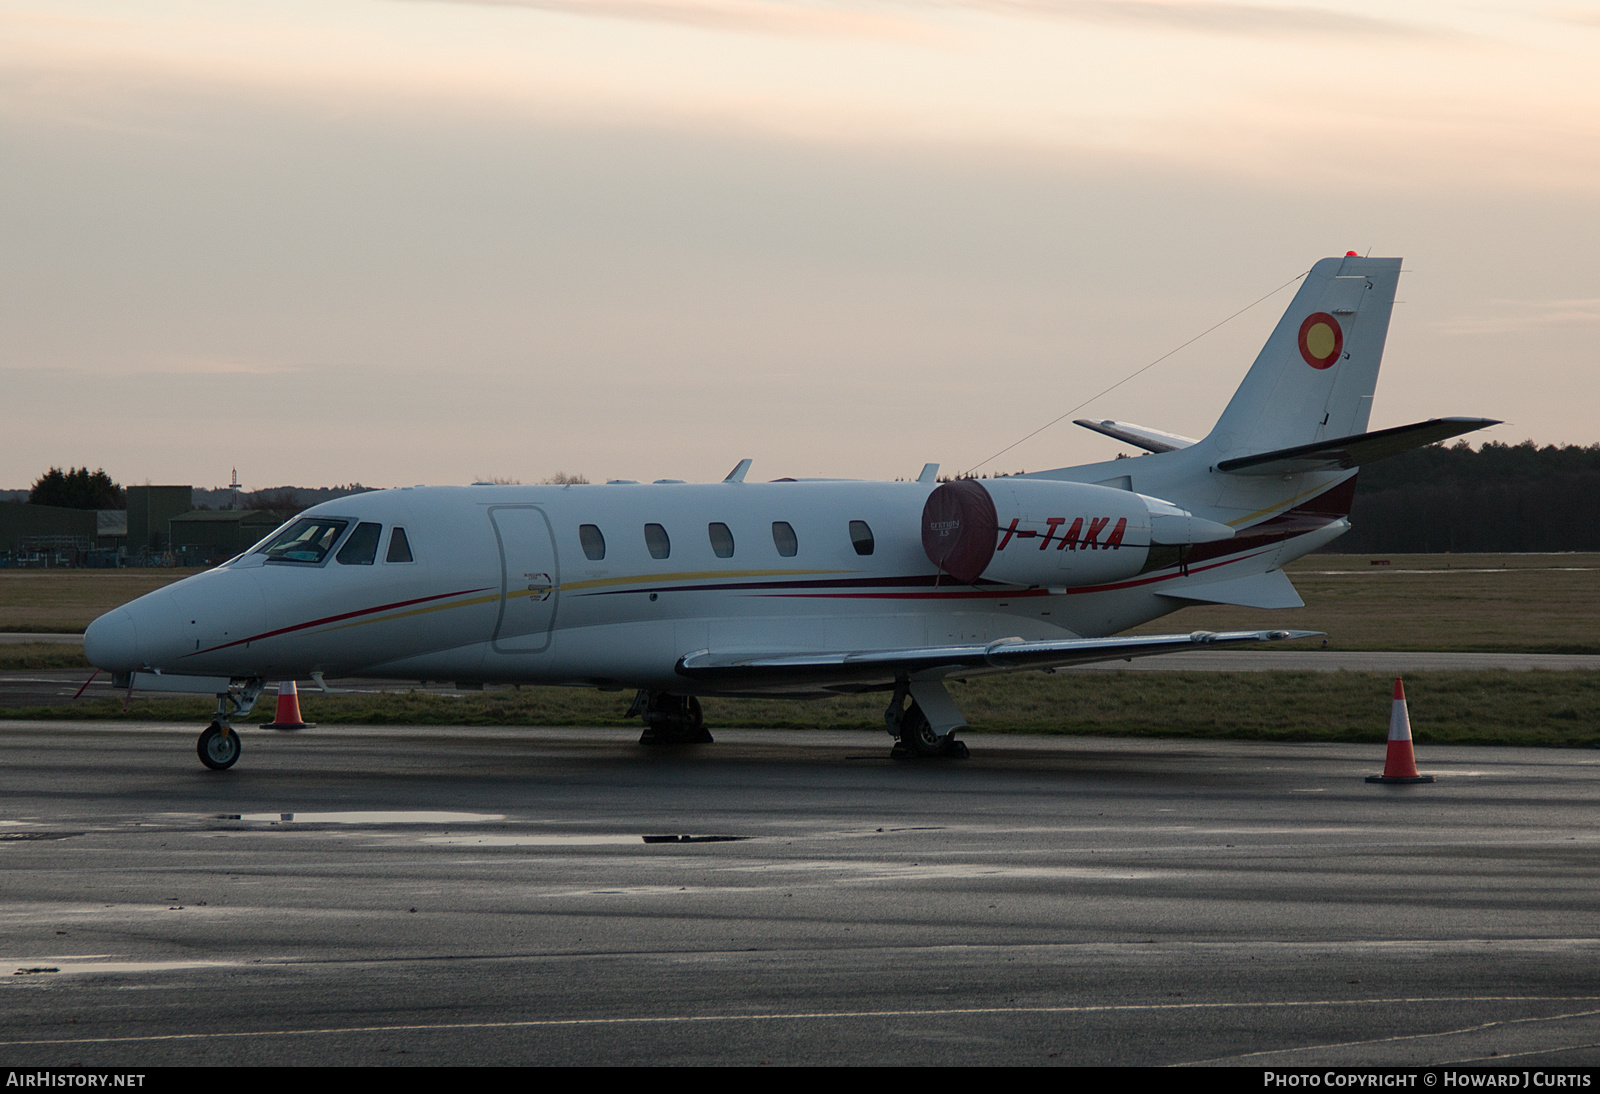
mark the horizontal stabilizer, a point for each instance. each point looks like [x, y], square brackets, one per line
[1272, 589]
[859, 670]
[1151, 440]
[1343, 453]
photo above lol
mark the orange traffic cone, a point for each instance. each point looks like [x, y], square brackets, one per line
[1400, 766]
[288, 716]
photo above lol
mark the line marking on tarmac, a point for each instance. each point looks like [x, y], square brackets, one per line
[803, 1016]
[1404, 1037]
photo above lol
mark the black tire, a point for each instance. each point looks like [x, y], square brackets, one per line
[918, 736]
[218, 750]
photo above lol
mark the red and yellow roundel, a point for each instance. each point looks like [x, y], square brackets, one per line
[1321, 340]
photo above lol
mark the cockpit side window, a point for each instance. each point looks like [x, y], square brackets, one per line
[399, 546]
[307, 540]
[361, 549]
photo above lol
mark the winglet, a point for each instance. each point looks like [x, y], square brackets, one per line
[738, 473]
[930, 472]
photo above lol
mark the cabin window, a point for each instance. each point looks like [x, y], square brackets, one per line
[861, 537]
[655, 538]
[783, 538]
[399, 546]
[721, 539]
[307, 540]
[594, 543]
[361, 549]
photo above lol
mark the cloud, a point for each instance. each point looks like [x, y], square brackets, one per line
[892, 19]
[784, 18]
[1589, 17]
[1246, 20]
[155, 367]
[1505, 316]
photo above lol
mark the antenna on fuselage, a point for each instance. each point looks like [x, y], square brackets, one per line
[930, 471]
[738, 473]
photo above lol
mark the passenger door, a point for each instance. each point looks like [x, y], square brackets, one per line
[530, 582]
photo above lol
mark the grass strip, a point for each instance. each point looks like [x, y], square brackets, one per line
[42, 655]
[1557, 709]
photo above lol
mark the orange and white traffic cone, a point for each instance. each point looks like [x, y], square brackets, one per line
[288, 716]
[1400, 766]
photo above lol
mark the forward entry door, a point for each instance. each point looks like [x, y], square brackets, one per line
[530, 582]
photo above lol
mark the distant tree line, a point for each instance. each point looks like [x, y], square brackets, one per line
[1499, 498]
[78, 488]
[284, 501]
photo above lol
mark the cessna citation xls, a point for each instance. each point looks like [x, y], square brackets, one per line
[802, 587]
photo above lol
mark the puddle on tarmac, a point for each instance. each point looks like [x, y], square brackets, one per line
[43, 967]
[543, 839]
[535, 840]
[418, 816]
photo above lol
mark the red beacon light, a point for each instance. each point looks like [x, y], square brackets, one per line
[1351, 254]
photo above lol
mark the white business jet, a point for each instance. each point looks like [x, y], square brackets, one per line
[802, 587]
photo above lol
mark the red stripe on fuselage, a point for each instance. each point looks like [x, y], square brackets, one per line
[338, 618]
[1031, 591]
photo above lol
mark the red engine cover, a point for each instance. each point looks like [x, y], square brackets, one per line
[958, 529]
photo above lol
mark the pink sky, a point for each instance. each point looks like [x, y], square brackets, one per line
[431, 242]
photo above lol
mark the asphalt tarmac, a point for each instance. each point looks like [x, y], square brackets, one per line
[54, 687]
[491, 896]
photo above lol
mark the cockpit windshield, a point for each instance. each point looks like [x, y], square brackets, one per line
[307, 540]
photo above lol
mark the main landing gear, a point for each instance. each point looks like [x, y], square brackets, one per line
[219, 744]
[670, 719]
[926, 729]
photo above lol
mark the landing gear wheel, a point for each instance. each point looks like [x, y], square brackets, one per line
[219, 747]
[919, 740]
[918, 736]
[673, 720]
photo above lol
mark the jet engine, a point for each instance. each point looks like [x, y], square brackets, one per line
[1023, 531]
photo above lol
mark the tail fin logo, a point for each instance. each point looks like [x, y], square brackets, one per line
[1321, 340]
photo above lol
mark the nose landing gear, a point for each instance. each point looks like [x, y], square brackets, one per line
[219, 745]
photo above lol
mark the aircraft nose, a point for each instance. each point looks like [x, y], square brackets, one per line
[112, 642]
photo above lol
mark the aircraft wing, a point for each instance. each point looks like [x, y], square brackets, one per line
[866, 670]
[1343, 453]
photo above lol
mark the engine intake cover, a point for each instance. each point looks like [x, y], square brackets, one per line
[959, 526]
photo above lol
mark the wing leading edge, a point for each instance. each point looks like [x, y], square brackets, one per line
[1343, 453]
[868, 670]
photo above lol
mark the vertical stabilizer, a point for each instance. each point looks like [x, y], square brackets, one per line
[1315, 377]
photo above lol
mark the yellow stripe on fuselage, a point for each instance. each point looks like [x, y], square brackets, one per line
[640, 579]
[694, 575]
[1247, 518]
[413, 611]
